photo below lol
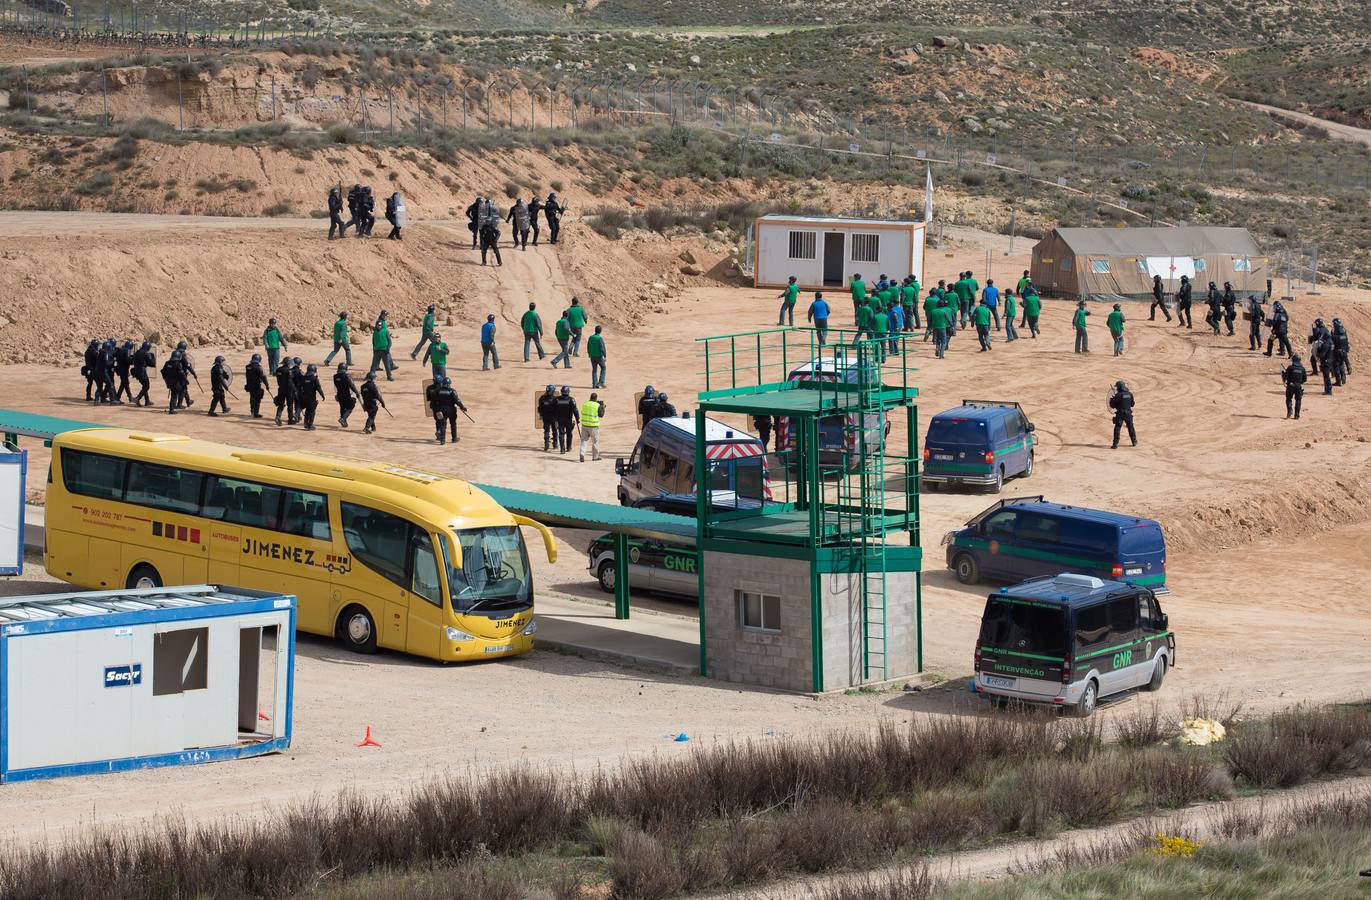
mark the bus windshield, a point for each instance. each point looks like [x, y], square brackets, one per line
[1024, 627]
[494, 575]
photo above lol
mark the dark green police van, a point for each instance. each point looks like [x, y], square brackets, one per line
[1072, 640]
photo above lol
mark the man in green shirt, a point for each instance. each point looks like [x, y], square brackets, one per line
[576, 318]
[965, 297]
[532, 326]
[858, 293]
[1115, 322]
[909, 299]
[981, 317]
[1032, 306]
[430, 322]
[863, 319]
[1023, 283]
[930, 304]
[340, 339]
[563, 332]
[1078, 322]
[274, 343]
[1011, 310]
[789, 297]
[380, 347]
[437, 354]
[595, 349]
[938, 319]
[880, 325]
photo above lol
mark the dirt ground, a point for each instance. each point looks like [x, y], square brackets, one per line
[1267, 521]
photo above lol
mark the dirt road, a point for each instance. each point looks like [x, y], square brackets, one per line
[1267, 523]
[1336, 130]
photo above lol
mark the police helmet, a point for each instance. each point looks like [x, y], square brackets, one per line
[296, 361]
[662, 395]
[552, 388]
[1318, 322]
[1120, 385]
[1228, 284]
[566, 390]
[180, 345]
[218, 360]
[1337, 322]
[371, 376]
[1294, 357]
[128, 342]
[146, 345]
[447, 382]
[1185, 278]
[256, 357]
[311, 369]
[649, 390]
[342, 367]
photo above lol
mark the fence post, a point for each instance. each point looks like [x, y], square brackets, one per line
[273, 97]
[390, 94]
[180, 104]
[104, 94]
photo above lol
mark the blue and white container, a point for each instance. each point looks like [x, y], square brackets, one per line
[107, 681]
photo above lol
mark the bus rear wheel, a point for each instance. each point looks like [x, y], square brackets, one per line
[143, 577]
[357, 630]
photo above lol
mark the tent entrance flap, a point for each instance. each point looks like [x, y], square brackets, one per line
[1171, 268]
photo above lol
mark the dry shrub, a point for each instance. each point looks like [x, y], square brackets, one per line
[1293, 746]
[643, 867]
[913, 883]
[1171, 779]
[1050, 794]
[1144, 726]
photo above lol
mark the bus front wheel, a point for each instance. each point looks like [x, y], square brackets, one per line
[357, 630]
[143, 577]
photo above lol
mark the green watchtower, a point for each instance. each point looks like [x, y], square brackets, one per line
[818, 587]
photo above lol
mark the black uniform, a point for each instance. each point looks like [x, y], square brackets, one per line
[107, 389]
[547, 414]
[143, 359]
[763, 424]
[1121, 401]
[553, 210]
[474, 221]
[1294, 376]
[1342, 349]
[647, 406]
[123, 359]
[366, 205]
[354, 209]
[335, 213]
[1279, 323]
[372, 401]
[445, 406]
[346, 393]
[392, 212]
[174, 375]
[255, 383]
[219, 379]
[567, 416]
[90, 367]
[1317, 334]
[518, 217]
[664, 410]
[535, 206]
[1215, 301]
[187, 373]
[1158, 299]
[310, 392]
[285, 394]
[1230, 308]
[1183, 301]
[490, 241]
[1254, 323]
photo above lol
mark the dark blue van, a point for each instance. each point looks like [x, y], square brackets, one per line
[981, 442]
[1027, 537]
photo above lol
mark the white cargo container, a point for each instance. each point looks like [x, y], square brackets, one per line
[824, 253]
[106, 681]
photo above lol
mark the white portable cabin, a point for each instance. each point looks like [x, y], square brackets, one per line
[13, 471]
[824, 254]
[106, 681]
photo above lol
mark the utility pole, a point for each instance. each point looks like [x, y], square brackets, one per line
[1013, 227]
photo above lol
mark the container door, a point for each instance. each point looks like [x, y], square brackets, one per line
[834, 247]
[12, 468]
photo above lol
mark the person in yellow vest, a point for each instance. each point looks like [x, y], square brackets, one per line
[591, 412]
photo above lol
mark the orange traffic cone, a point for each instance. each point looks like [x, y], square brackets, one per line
[367, 741]
[262, 715]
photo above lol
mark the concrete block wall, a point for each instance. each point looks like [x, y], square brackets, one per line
[735, 653]
[784, 660]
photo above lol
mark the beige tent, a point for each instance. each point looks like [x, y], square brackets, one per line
[1119, 263]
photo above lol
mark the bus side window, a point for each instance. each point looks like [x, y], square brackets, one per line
[377, 540]
[162, 487]
[243, 502]
[306, 515]
[424, 566]
[93, 474]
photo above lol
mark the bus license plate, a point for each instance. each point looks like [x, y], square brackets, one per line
[500, 649]
[997, 681]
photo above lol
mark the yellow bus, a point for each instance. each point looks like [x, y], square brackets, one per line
[377, 555]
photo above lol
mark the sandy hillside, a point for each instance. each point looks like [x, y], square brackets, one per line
[1268, 522]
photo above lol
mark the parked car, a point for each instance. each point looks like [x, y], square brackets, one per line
[1027, 537]
[981, 442]
[1071, 641]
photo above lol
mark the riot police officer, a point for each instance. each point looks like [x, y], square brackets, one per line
[220, 376]
[1342, 349]
[255, 382]
[1279, 323]
[371, 402]
[1183, 301]
[285, 393]
[143, 359]
[1230, 307]
[310, 392]
[1121, 401]
[346, 393]
[1294, 376]
[547, 414]
[567, 416]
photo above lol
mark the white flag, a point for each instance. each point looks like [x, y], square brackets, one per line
[928, 195]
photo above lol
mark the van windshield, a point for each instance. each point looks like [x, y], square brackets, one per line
[1024, 627]
[494, 574]
[956, 431]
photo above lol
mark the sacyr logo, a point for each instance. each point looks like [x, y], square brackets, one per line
[123, 676]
